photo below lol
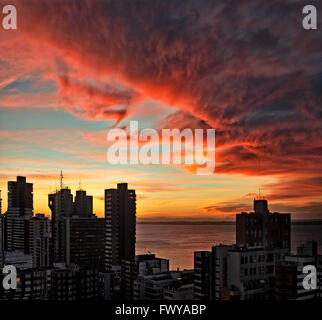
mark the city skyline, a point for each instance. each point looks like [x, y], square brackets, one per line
[231, 66]
[77, 256]
[77, 190]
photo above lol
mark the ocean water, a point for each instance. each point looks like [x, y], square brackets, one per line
[178, 242]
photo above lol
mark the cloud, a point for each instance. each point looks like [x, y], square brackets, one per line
[226, 207]
[245, 68]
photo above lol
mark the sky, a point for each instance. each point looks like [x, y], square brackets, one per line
[74, 69]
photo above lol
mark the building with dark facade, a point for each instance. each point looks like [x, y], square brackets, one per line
[20, 195]
[61, 206]
[78, 236]
[120, 215]
[263, 229]
[142, 265]
[289, 274]
[202, 275]
[85, 241]
[39, 240]
[69, 284]
[59, 283]
[181, 289]
[155, 286]
[83, 204]
[16, 219]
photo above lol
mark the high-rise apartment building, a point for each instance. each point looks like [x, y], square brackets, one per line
[16, 219]
[120, 216]
[142, 265]
[263, 229]
[39, 240]
[20, 196]
[83, 204]
[289, 274]
[245, 270]
[84, 241]
[251, 272]
[61, 205]
[202, 276]
[1, 234]
[78, 236]
[219, 272]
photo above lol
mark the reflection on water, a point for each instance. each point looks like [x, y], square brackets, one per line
[178, 242]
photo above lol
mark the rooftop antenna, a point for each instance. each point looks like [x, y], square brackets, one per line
[61, 179]
[80, 184]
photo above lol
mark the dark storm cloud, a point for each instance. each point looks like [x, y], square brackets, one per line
[245, 68]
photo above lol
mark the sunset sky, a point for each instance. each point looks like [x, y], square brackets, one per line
[246, 68]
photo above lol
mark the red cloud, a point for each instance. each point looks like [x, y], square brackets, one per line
[243, 68]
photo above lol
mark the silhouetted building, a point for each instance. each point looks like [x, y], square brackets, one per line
[39, 240]
[120, 215]
[61, 205]
[20, 196]
[145, 264]
[219, 272]
[69, 284]
[263, 229]
[16, 230]
[245, 271]
[202, 275]
[182, 289]
[236, 273]
[59, 283]
[18, 259]
[84, 241]
[83, 204]
[2, 234]
[152, 287]
[289, 274]
[112, 283]
[32, 284]
[16, 219]
[78, 236]
[251, 272]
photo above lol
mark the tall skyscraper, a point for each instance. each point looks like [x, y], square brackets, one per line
[1, 235]
[39, 238]
[61, 205]
[78, 236]
[120, 215]
[16, 219]
[20, 196]
[263, 229]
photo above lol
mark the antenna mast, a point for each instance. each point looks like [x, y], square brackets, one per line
[61, 179]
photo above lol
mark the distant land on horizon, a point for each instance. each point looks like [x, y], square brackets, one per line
[185, 222]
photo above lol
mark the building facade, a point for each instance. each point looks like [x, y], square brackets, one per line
[289, 274]
[120, 216]
[142, 265]
[263, 229]
[84, 241]
[202, 275]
